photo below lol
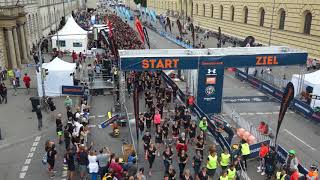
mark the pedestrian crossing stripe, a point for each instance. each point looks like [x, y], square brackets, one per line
[261, 113]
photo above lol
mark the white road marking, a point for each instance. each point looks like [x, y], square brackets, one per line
[28, 161]
[38, 138]
[32, 149]
[275, 112]
[300, 140]
[22, 175]
[259, 113]
[101, 116]
[260, 93]
[24, 168]
[250, 114]
[268, 113]
[92, 125]
[243, 113]
[30, 155]
[35, 144]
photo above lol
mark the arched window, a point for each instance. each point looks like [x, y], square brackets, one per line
[221, 12]
[232, 13]
[282, 18]
[307, 22]
[262, 14]
[196, 9]
[192, 9]
[245, 15]
[204, 10]
[211, 10]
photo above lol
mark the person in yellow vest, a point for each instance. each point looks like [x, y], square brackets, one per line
[232, 172]
[282, 175]
[212, 163]
[10, 74]
[203, 125]
[245, 152]
[224, 159]
[224, 175]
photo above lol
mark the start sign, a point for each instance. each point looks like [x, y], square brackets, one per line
[159, 63]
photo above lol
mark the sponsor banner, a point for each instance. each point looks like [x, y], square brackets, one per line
[107, 122]
[73, 90]
[210, 84]
[247, 99]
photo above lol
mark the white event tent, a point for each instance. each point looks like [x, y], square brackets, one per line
[71, 37]
[58, 75]
[312, 80]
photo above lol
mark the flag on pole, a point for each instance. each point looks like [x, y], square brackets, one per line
[140, 29]
[136, 109]
[285, 102]
[108, 23]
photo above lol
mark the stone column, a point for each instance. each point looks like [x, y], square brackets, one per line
[27, 40]
[3, 51]
[16, 46]
[24, 51]
[12, 51]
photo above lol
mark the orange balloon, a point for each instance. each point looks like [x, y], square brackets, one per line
[240, 132]
[246, 135]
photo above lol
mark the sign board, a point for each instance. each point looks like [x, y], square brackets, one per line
[73, 90]
[210, 64]
[247, 99]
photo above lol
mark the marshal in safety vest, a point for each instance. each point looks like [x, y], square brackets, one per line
[232, 173]
[225, 158]
[212, 162]
[245, 149]
[278, 175]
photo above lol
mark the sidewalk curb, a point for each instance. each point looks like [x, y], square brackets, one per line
[7, 145]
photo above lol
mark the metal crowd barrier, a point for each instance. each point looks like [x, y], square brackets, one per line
[273, 80]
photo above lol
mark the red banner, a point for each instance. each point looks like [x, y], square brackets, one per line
[108, 23]
[140, 29]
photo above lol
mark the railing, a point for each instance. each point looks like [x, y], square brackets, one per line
[273, 80]
[236, 117]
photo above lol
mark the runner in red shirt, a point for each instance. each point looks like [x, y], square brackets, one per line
[295, 175]
[26, 80]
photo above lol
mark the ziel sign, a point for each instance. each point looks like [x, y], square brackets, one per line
[210, 64]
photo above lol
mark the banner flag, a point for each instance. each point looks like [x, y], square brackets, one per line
[136, 110]
[285, 102]
[140, 29]
[146, 36]
[193, 35]
[179, 27]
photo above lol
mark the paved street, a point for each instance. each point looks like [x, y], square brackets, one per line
[23, 145]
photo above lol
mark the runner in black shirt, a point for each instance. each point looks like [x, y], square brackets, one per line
[192, 131]
[182, 159]
[187, 121]
[158, 139]
[175, 131]
[167, 156]
[148, 119]
[151, 154]
[172, 173]
[146, 140]
[165, 131]
[203, 174]
[141, 124]
[200, 147]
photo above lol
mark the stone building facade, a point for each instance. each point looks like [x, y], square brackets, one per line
[295, 23]
[23, 23]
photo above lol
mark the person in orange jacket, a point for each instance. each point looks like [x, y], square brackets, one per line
[313, 173]
[264, 149]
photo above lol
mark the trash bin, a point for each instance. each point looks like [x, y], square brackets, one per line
[35, 101]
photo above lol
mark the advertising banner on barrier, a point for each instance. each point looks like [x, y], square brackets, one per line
[73, 90]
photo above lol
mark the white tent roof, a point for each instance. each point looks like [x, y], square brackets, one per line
[312, 78]
[71, 30]
[59, 65]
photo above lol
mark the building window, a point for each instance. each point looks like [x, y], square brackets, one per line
[61, 43]
[232, 13]
[262, 14]
[282, 19]
[211, 11]
[307, 22]
[245, 15]
[196, 9]
[204, 10]
[192, 9]
[221, 12]
[77, 44]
